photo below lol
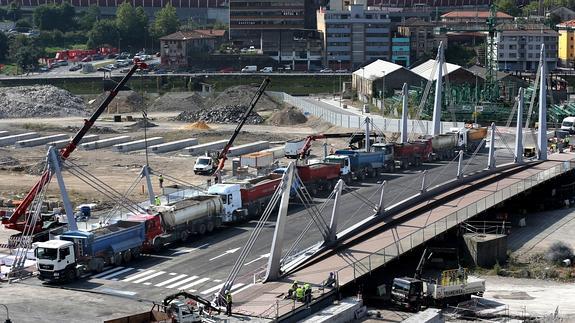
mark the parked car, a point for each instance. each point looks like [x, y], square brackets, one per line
[75, 68]
[226, 70]
[267, 69]
[97, 57]
[44, 69]
[87, 59]
[342, 71]
[103, 69]
[124, 70]
[326, 70]
[110, 66]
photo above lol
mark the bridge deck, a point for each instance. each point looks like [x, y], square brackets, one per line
[375, 250]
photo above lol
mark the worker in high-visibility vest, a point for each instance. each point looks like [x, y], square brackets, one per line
[299, 294]
[307, 293]
[157, 201]
[228, 303]
[292, 290]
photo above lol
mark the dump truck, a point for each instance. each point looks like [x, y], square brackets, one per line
[245, 199]
[403, 155]
[177, 221]
[359, 164]
[444, 146]
[319, 177]
[469, 137]
[78, 252]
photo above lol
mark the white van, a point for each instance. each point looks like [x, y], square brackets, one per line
[250, 69]
[568, 124]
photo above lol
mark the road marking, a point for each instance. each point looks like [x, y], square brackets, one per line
[197, 282]
[242, 289]
[171, 280]
[141, 280]
[107, 272]
[267, 255]
[188, 250]
[147, 283]
[136, 276]
[182, 282]
[213, 289]
[217, 280]
[173, 274]
[225, 253]
[118, 273]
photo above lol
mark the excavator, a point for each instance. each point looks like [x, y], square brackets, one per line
[19, 220]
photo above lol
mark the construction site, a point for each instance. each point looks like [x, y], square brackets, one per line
[256, 205]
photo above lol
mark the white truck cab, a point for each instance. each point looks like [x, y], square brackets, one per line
[343, 161]
[568, 124]
[231, 200]
[55, 257]
[204, 165]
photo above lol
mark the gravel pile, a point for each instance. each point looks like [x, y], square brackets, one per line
[124, 102]
[242, 95]
[287, 117]
[227, 114]
[8, 161]
[141, 124]
[39, 101]
[178, 101]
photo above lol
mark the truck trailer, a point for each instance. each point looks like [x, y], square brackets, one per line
[243, 200]
[319, 177]
[360, 164]
[80, 252]
[177, 221]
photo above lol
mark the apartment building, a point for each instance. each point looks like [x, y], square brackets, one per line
[354, 34]
[519, 45]
[566, 52]
[424, 37]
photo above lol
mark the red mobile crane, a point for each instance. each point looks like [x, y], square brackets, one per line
[13, 222]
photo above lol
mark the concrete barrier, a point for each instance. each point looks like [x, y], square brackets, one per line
[277, 152]
[248, 148]
[137, 144]
[105, 142]
[173, 145]
[348, 310]
[10, 140]
[203, 148]
[62, 143]
[39, 141]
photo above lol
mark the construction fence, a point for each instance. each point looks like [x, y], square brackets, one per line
[358, 121]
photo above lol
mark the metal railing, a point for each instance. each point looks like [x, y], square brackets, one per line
[384, 255]
[356, 121]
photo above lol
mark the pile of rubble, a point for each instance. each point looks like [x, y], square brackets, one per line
[227, 114]
[39, 101]
[287, 117]
[124, 102]
[242, 95]
[178, 101]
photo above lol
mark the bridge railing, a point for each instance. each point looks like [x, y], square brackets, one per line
[356, 121]
[365, 265]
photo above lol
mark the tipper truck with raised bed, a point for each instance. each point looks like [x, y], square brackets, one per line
[245, 199]
[80, 252]
[177, 221]
[360, 164]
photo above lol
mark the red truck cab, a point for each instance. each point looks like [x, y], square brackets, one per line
[153, 228]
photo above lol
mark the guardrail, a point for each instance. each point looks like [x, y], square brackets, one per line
[356, 121]
[390, 252]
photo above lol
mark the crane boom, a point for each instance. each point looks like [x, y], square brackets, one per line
[12, 221]
[223, 155]
[353, 138]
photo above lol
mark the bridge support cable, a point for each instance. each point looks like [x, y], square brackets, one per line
[491, 159]
[519, 128]
[116, 209]
[313, 211]
[23, 241]
[449, 96]
[512, 114]
[273, 268]
[179, 181]
[103, 188]
[253, 238]
[423, 101]
[445, 168]
[380, 207]
[472, 157]
[55, 162]
[334, 213]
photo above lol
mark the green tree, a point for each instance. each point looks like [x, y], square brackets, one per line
[220, 25]
[3, 46]
[88, 18]
[50, 17]
[132, 25]
[3, 13]
[166, 22]
[508, 6]
[14, 12]
[23, 23]
[24, 52]
[104, 33]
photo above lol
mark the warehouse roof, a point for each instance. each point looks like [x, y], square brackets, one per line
[474, 14]
[376, 69]
[424, 70]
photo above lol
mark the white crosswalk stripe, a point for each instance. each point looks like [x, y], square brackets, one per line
[117, 273]
[141, 280]
[107, 272]
[213, 289]
[182, 282]
[134, 277]
[242, 289]
[199, 281]
[170, 280]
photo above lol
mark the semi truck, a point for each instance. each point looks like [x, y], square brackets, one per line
[80, 252]
[246, 199]
[177, 221]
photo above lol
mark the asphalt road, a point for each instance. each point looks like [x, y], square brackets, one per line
[203, 265]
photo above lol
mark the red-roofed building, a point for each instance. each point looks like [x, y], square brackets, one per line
[473, 17]
[176, 48]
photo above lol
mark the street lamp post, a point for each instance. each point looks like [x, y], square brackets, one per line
[7, 314]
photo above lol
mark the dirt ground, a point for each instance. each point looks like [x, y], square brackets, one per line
[121, 170]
